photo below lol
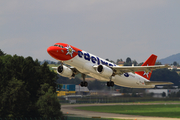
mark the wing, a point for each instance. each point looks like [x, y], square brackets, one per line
[124, 69]
[158, 83]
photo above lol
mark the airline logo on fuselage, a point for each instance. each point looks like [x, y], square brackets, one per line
[70, 50]
[94, 59]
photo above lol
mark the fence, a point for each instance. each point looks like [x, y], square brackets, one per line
[51, 118]
[98, 99]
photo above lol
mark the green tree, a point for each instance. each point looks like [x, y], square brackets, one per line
[119, 60]
[128, 62]
[1, 53]
[112, 61]
[15, 99]
[140, 64]
[134, 62]
[175, 63]
[48, 104]
[21, 80]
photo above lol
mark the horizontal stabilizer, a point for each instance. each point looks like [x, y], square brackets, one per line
[158, 83]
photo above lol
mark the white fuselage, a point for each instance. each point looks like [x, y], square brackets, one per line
[85, 61]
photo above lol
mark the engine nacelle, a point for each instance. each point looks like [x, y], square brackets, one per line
[65, 71]
[104, 70]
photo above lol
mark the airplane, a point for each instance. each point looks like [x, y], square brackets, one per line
[86, 63]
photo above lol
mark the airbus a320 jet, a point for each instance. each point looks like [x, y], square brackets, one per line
[86, 63]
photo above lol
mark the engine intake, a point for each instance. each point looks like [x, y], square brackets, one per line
[64, 71]
[104, 70]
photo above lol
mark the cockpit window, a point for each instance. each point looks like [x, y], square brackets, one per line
[59, 46]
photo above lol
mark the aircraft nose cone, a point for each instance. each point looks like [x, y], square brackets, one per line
[52, 50]
[49, 49]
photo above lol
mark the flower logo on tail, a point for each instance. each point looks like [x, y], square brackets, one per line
[146, 72]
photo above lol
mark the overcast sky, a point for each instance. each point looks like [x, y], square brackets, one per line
[111, 29]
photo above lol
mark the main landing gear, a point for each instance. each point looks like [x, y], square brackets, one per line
[84, 83]
[110, 83]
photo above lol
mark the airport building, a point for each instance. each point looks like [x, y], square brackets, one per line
[158, 92]
[71, 89]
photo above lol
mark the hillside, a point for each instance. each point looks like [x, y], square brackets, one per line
[170, 59]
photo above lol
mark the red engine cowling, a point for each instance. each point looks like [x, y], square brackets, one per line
[104, 70]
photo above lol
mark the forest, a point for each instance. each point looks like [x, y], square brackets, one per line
[28, 89]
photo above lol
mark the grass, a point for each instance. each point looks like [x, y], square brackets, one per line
[171, 111]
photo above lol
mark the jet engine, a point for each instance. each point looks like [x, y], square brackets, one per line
[65, 71]
[104, 70]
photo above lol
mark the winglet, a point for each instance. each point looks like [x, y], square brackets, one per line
[149, 62]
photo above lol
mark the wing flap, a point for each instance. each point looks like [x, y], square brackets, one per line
[124, 69]
[158, 83]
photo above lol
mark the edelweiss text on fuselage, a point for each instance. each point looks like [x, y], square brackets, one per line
[94, 59]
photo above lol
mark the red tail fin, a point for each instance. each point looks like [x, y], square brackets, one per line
[149, 62]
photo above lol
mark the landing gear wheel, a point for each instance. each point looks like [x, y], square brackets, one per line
[110, 83]
[84, 84]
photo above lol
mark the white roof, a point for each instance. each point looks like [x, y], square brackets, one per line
[81, 89]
